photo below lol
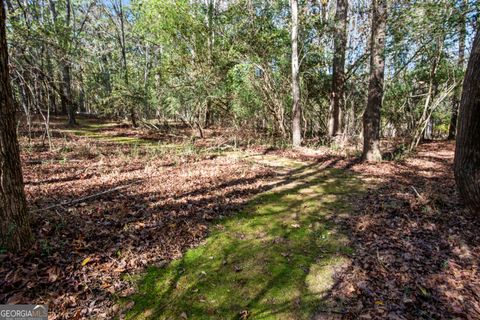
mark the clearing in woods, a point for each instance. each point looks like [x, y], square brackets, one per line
[274, 260]
[159, 225]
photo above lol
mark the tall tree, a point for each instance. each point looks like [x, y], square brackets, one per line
[462, 33]
[133, 117]
[15, 232]
[67, 68]
[371, 116]
[338, 75]
[64, 34]
[467, 152]
[297, 109]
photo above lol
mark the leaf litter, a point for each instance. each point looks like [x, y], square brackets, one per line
[84, 250]
[416, 247]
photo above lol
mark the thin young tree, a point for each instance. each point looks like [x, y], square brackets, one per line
[297, 109]
[467, 152]
[15, 231]
[133, 116]
[371, 116]
[120, 15]
[338, 72]
[462, 34]
[67, 68]
[64, 34]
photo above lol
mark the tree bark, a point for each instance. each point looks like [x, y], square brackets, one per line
[467, 152]
[296, 110]
[67, 70]
[462, 33]
[15, 231]
[371, 116]
[133, 116]
[67, 105]
[338, 74]
[81, 94]
[67, 93]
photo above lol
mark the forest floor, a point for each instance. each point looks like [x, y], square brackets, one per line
[145, 225]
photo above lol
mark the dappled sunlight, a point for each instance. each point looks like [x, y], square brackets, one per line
[321, 278]
[274, 260]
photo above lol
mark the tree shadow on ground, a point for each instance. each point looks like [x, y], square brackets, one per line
[83, 250]
[417, 249]
[274, 260]
[416, 256]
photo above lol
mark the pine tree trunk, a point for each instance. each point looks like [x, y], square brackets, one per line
[467, 152]
[371, 116]
[296, 111]
[338, 75]
[462, 33]
[15, 232]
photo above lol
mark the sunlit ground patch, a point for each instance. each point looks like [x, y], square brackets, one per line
[274, 260]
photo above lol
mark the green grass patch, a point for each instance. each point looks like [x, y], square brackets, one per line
[274, 260]
[99, 132]
[96, 133]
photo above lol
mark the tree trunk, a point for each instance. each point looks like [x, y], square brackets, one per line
[462, 33]
[63, 102]
[371, 116]
[66, 73]
[428, 132]
[133, 116]
[67, 93]
[338, 75]
[66, 101]
[297, 110]
[81, 94]
[467, 152]
[15, 232]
